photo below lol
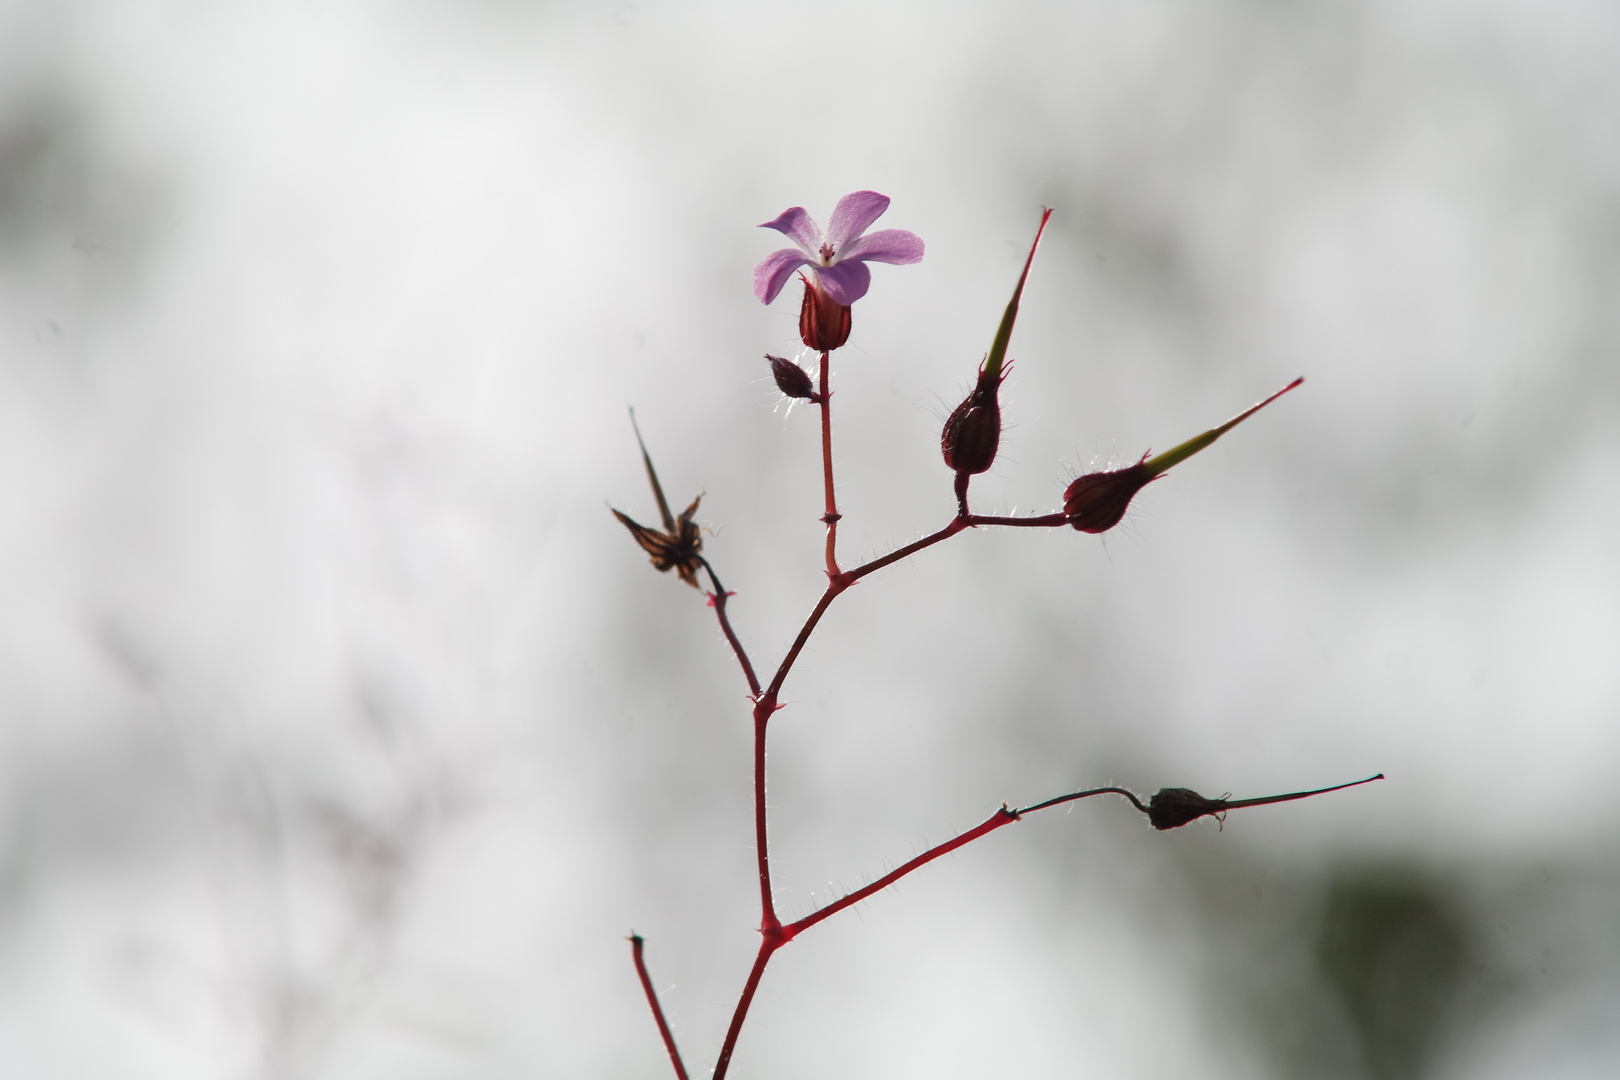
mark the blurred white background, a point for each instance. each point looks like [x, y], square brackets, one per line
[343, 733]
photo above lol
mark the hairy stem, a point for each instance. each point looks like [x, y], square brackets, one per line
[718, 600]
[766, 948]
[831, 516]
[768, 923]
[657, 1010]
[995, 821]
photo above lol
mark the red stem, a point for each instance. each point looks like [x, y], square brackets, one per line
[768, 923]
[1045, 521]
[845, 579]
[718, 600]
[657, 1011]
[995, 821]
[766, 948]
[805, 631]
[831, 517]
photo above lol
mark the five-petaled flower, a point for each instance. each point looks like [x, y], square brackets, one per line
[838, 257]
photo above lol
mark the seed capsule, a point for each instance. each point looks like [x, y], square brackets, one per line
[972, 432]
[1096, 502]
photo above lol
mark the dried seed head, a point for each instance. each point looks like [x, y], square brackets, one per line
[679, 546]
[791, 379]
[972, 432]
[1096, 502]
[823, 322]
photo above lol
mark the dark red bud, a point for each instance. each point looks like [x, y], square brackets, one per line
[1174, 807]
[791, 379]
[1097, 501]
[973, 430]
[823, 322]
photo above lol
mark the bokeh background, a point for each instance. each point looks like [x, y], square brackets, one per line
[343, 733]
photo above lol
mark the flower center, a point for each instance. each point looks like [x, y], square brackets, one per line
[826, 254]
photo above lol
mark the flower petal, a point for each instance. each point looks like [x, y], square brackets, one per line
[852, 216]
[845, 282]
[885, 246]
[774, 270]
[799, 227]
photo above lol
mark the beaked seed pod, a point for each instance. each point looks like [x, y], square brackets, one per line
[972, 432]
[1097, 501]
[791, 379]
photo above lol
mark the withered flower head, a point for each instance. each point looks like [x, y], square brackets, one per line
[679, 547]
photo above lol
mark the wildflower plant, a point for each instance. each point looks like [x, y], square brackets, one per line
[832, 267]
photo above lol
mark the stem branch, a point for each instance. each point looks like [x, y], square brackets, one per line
[657, 1010]
[831, 516]
[719, 601]
[766, 948]
[995, 821]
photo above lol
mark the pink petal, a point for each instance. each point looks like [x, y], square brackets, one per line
[852, 216]
[799, 227]
[845, 282]
[774, 270]
[885, 246]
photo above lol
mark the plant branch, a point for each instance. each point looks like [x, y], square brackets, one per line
[995, 821]
[718, 601]
[804, 635]
[846, 578]
[1168, 800]
[1045, 521]
[956, 525]
[766, 948]
[767, 908]
[831, 517]
[657, 1010]
[1088, 793]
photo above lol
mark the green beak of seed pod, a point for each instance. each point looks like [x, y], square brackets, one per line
[998, 348]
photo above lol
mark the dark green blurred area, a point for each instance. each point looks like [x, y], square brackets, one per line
[1397, 954]
[1398, 970]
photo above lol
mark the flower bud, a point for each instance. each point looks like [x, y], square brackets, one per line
[791, 379]
[823, 322]
[1096, 502]
[973, 430]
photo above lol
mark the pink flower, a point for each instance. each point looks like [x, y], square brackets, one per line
[839, 256]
